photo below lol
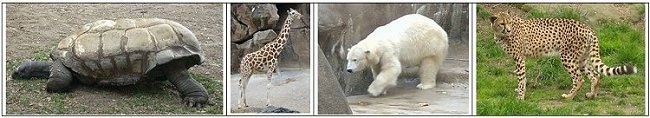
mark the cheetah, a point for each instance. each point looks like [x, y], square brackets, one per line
[574, 42]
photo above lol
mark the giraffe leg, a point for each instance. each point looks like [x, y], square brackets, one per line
[269, 74]
[273, 65]
[243, 82]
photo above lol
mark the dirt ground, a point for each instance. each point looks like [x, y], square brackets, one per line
[34, 29]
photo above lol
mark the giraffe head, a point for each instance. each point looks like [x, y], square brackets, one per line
[293, 14]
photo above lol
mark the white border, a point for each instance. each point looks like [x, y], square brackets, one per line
[227, 54]
[472, 58]
[314, 51]
[224, 47]
[313, 63]
[4, 61]
[314, 32]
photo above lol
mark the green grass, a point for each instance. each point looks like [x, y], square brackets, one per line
[620, 44]
[562, 12]
[41, 55]
[144, 98]
[58, 104]
[640, 9]
[522, 7]
[214, 88]
[482, 13]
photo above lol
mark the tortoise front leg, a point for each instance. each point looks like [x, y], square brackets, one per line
[193, 93]
[60, 78]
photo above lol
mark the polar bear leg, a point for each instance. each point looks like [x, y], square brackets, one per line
[386, 78]
[381, 84]
[375, 70]
[428, 71]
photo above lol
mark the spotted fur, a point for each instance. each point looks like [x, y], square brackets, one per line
[264, 59]
[575, 42]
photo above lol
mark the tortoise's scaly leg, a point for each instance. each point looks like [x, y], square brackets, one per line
[60, 78]
[193, 93]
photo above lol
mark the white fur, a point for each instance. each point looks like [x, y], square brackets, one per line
[411, 40]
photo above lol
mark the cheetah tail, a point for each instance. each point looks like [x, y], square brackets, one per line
[604, 69]
[32, 69]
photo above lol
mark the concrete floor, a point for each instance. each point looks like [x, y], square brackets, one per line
[290, 89]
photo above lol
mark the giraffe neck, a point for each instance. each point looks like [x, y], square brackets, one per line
[284, 33]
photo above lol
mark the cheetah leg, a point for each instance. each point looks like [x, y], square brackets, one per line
[572, 68]
[520, 71]
[60, 78]
[243, 82]
[594, 78]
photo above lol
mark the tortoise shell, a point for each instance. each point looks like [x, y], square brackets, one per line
[114, 49]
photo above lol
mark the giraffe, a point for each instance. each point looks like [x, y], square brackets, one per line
[264, 59]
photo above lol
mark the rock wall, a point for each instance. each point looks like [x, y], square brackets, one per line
[340, 26]
[254, 25]
[331, 99]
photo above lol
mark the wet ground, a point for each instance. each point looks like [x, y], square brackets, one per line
[290, 89]
[445, 99]
[449, 97]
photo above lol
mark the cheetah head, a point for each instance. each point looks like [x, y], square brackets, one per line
[501, 24]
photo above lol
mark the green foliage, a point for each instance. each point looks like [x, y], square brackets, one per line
[214, 87]
[640, 9]
[482, 13]
[562, 12]
[41, 55]
[522, 7]
[620, 43]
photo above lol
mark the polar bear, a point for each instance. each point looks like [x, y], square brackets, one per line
[411, 40]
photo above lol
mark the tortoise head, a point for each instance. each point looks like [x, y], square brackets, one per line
[32, 69]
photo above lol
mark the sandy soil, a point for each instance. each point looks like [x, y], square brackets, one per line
[34, 29]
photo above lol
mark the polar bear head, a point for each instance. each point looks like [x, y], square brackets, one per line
[359, 57]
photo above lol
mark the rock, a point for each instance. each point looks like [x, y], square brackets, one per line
[342, 26]
[423, 104]
[331, 99]
[241, 22]
[274, 109]
[263, 37]
[265, 16]
[250, 18]
[235, 57]
[238, 31]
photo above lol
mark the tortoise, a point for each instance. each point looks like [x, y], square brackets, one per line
[123, 52]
